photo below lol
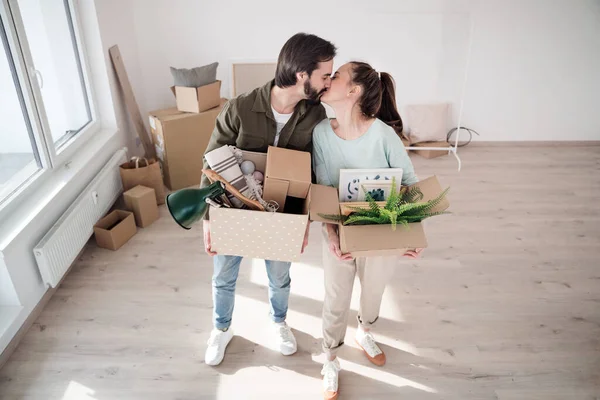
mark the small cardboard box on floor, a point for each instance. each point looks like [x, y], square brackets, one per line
[374, 240]
[180, 139]
[115, 229]
[266, 235]
[141, 200]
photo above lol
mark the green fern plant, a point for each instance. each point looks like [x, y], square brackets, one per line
[401, 208]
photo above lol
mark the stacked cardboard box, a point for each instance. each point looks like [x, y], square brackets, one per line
[180, 139]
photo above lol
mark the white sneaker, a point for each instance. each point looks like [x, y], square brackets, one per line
[217, 343]
[367, 342]
[330, 374]
[285, 338]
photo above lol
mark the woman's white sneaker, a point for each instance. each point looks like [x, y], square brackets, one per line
[367, 343]
[217, 343]
[330, 372]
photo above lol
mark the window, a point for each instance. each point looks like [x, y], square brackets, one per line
[45, 101]
[19, 158]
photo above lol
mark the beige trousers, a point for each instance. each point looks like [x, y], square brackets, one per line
[373, 274]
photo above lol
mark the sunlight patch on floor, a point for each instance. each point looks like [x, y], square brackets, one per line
[77, 391]
[380, 375]
[307, 280]
[241, 385]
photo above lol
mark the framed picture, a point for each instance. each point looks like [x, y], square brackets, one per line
[352, 179]
[348, 208]
[379, 190]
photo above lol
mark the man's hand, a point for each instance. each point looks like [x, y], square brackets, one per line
[334, 244]
[305, 243]
[207, 242]
[413, 253]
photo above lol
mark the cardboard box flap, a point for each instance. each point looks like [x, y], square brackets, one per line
[185, 95]
[431, 189]
[276, 191]
[323, 200]
[382, 237]
[287, 164]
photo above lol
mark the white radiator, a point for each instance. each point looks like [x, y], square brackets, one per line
[60, 246]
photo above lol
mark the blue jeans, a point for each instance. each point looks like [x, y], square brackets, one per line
[225, 275]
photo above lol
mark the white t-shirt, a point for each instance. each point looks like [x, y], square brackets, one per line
[281, 120]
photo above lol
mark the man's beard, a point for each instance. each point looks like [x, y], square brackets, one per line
[312, 96]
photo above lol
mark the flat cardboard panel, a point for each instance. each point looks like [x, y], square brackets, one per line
[257, 234]
[249, 76]
[290, 165]
[141, 201]
[276, 190]
[381, 237]
[431, 189]
[182, 138]
[323, 200]
[116, 237]
[196, 100]
[130, 102]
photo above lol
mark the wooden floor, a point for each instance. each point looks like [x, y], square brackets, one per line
[505, 304]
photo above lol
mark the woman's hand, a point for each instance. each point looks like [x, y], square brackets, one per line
[413, 253]
[305, 243]
[334, 244]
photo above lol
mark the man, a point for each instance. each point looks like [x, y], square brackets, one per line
[281, 113]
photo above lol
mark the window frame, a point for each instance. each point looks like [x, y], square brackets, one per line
[51, 157]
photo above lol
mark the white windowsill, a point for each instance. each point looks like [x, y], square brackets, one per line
[45, 186]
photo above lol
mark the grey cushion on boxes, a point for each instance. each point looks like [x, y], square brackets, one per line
[195, 77]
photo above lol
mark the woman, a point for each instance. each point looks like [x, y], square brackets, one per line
[364, 134]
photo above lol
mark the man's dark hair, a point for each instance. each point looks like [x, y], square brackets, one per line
[301, 53]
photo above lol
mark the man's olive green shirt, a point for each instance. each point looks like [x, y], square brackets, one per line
[247, 122]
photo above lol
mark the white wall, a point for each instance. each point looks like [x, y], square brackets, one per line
[533, 69]
[407, 42]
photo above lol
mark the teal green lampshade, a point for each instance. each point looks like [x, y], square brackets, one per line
[188, 206]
